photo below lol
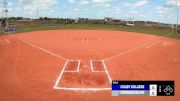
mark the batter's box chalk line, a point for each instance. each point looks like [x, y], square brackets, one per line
[78, 65]
[58, 87]
[92, 66]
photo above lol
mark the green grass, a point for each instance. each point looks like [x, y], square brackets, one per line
[160, 32]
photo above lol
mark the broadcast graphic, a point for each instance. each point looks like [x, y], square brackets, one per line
[143, 88]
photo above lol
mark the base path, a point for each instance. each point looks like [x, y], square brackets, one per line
[66, 65]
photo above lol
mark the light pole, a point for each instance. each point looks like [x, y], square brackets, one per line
[0, 18]
[177, 12]
[37, 12]
[5, 10]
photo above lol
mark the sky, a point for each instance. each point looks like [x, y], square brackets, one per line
[147, 10]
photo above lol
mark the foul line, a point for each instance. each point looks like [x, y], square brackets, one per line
[164, 44]
[35, 46]
[128, 51]
[149, 46]
[7, 41]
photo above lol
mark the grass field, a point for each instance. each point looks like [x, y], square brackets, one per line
[153, 31]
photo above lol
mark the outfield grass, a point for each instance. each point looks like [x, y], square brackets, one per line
[160, 32]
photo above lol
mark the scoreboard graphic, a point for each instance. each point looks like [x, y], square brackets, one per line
[143, 88]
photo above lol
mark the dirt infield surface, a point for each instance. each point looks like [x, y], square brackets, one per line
[79, 65]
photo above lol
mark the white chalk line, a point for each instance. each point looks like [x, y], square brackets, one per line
[99, 71]
[82, 89]
[60, 75]
[107, 72]
[129, 51]
[92, 66]
[7, 41]
[149, 46]
[42, 49]
[78, 66]
[164, 44]
[104, 66]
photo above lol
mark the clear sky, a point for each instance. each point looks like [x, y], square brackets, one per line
[153, 10]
